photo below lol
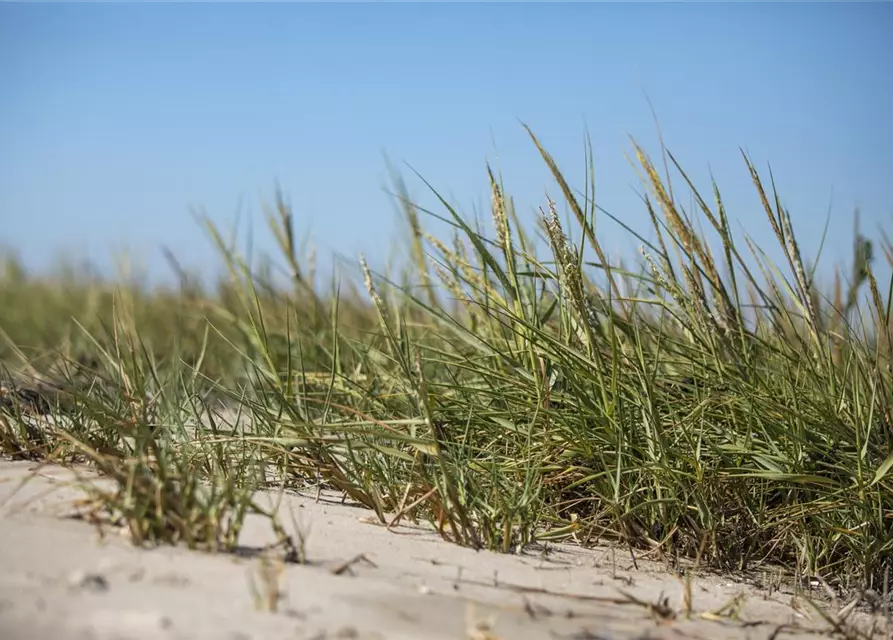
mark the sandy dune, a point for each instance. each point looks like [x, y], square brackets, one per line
[60, 579]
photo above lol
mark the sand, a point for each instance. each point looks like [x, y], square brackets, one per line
[61, 579]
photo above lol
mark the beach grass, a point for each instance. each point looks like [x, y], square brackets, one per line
[511, 386]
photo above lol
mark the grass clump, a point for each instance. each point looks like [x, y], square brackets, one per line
[701, 402]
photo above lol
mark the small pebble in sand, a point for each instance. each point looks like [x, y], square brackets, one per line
[88, 581]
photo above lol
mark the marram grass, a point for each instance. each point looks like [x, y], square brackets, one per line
[702, 402]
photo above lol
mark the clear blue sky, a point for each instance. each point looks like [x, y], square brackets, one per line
[116, 118]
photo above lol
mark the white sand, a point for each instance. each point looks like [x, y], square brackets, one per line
[60, 580]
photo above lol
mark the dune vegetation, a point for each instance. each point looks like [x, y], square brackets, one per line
[695, 400]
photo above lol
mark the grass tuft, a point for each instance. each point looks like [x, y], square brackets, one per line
[703, 402]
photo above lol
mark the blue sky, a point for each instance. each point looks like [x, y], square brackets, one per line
[117, 117]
